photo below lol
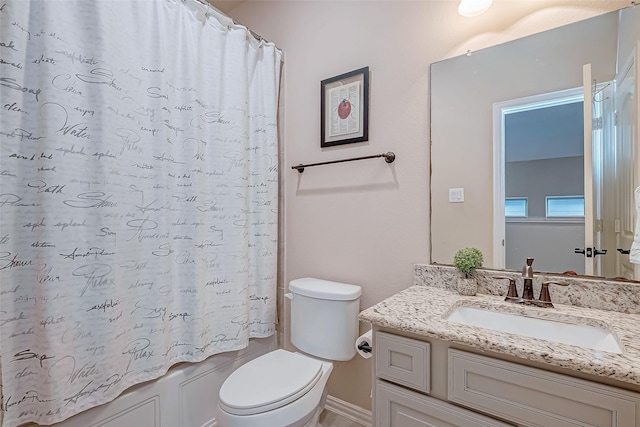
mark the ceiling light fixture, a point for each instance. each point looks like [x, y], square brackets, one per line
[473, 7]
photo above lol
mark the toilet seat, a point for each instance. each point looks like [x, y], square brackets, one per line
[269, 382]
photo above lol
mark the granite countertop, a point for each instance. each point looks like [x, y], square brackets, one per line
[422, 310]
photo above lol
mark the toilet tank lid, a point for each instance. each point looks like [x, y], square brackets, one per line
[325, 289]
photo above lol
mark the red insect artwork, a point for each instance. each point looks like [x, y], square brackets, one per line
[344, 109]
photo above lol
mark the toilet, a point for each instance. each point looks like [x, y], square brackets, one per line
[287, 389]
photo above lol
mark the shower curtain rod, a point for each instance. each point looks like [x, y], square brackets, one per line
[388, 157]
[255, 35]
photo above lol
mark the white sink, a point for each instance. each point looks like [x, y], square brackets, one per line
[585, 336]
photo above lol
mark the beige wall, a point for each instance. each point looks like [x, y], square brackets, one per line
[368, 222]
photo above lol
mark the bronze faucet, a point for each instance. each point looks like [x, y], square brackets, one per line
[527, 290]
[544, 300]
[512, 293]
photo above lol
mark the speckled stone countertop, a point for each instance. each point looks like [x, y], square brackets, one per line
[422, 310]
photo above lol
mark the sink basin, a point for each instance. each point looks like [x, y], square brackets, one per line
[590, 337]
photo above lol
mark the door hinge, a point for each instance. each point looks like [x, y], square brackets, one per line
[599, 226]
[615, 118]
[597, 123]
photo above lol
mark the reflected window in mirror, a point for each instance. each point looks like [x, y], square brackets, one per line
[565, 207]
[516, 207]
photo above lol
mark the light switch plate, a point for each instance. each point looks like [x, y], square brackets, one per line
[456, 195]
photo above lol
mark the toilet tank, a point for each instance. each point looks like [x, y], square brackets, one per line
[324, 317]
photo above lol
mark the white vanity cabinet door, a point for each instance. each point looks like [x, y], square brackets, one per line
[399, 407]
[403, 360]
[534, 397]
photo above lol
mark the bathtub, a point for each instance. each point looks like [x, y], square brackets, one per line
[187, 396]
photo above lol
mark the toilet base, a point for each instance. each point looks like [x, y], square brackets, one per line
[315, 419]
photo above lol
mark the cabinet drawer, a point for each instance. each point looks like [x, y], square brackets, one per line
[534, 397]
[403, 361]
[398, 407]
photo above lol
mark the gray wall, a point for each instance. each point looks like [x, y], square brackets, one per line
[550, 242]
[537, 179]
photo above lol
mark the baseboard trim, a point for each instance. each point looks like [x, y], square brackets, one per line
[349, 410]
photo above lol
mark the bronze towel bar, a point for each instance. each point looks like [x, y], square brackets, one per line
[388, 157]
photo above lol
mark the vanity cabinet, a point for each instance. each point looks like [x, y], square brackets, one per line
[480, 390]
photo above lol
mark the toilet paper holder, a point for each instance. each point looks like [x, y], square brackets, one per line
[366, 347]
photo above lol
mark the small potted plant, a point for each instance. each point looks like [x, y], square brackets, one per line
[466, 261]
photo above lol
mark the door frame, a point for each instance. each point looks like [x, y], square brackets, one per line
[500, 109]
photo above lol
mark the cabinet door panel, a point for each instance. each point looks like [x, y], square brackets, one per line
[398, 407]
[534, 397]
[403, 360]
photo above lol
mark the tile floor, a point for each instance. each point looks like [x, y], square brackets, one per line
[330, 419]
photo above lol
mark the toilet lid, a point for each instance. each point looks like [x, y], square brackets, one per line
[269, 382]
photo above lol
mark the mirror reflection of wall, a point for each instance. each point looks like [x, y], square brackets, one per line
[464, 92]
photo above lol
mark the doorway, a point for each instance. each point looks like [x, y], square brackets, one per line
[540, 204]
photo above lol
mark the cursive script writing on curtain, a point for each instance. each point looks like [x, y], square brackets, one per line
[138, 196]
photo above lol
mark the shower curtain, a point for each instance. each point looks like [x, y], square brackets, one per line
[138, 196]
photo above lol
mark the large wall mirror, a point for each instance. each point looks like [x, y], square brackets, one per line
[534, 149]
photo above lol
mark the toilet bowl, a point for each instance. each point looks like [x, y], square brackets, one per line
[281, 388]
[287, 389]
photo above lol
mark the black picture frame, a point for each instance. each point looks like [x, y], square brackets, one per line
[344, 108]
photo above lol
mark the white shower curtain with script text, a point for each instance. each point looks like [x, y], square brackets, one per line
[138, 196]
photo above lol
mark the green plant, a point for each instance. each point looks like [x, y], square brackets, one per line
[467, 260]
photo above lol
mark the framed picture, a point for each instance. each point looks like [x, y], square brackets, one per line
[344, 108]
